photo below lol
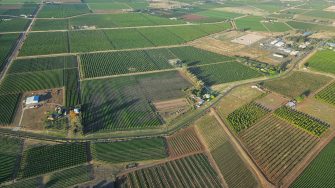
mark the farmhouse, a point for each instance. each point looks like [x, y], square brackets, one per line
[32, 100]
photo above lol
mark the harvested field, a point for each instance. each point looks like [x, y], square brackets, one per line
[184, 142]
[297, 84]
[193, 17]
[237, 98]
[277, 146]
[331, 9]
[248, 39]
[170, 109]
[272, 101]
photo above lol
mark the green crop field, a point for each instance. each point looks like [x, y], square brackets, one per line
[50, 24]
[130, 151]
[302, 120]
[9, 151]
[327, 94]
[17, 9]
[45, 43]
[124, 62]
[223, 73]
[125, 102]
[108, 6]
[30, 81]
[277, 27]
[232, 167]
[48, 158]
[320, 172]
[8, 108]
[62, 10]
[297, 84]
[8, 24]
[154, 35]
[195, 171]
[193, 56]
[184, 142]
[86, 41]
[121, 20]
[310, 26]
[323, 60]
[42, 64]
[70, 177]
[7, 43]
[71, 83]
[213, 15]
[246, 116]
[252, 23]
[127, 38]
[277, 146]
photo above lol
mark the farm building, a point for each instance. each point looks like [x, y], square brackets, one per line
[32, 100]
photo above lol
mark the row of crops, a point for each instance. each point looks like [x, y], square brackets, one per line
[130, 151]
[7, 43]
[125, 103]
[43, 159]
[43, 73]
[9, 152]
[327, 94]
[59, 10]
[276, 146]
[9, 24]
[232, 167]
[320, 172]
[63, 178]
[184, 142]
[9, 103]
[224, 72]
[246, 116]
[43, 43]
[191, 171]
[302, 120]
[103, 21]
[125, 62]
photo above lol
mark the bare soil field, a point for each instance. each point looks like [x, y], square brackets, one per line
[172, 108]
[318, 109]
[272, 101]
[222, 44]
[243, 10]
[193, 17]
[331, 9]
[248, 39]
[237, 98]
[164, 4]
[323, 35]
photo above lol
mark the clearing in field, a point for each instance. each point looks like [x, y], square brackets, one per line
[248, 39]
[276, 146]
[318, 109]
[331, 9]
[320, 169]
[194, 171]
[297, 84]
[236, 98]
[323, 60]
[184, 142]
[272, 101]
[130, 151]
[244, 10]
[170, 109]
[127, 102]
[232, 167]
